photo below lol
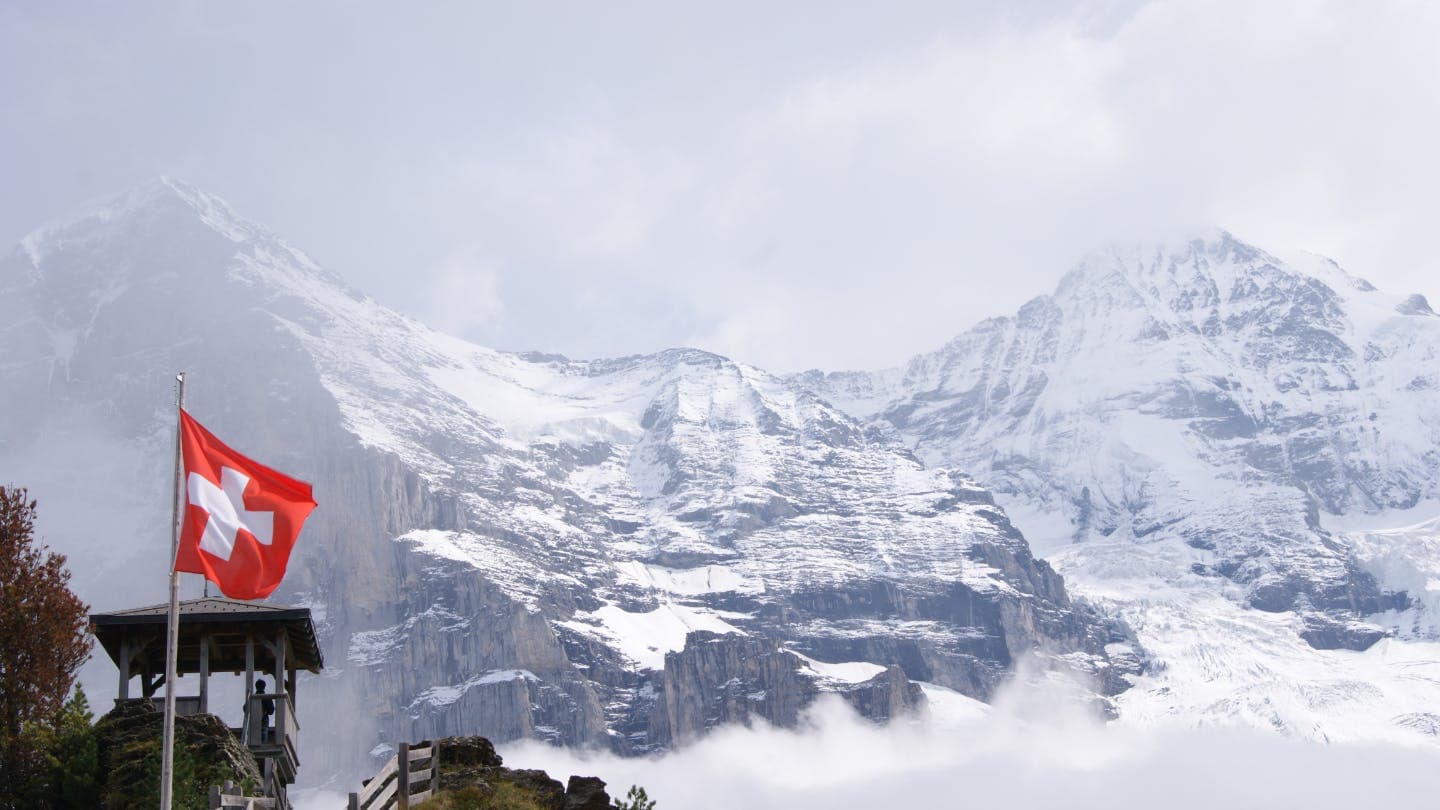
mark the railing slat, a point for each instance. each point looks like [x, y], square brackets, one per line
[375, 789]
[383, 798]
[378, 780]
[400, 775]
[227, 801]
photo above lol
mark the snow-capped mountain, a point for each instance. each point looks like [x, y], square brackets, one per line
[1225, 447]
[618, 553]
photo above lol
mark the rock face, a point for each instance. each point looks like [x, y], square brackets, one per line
[586, 793]
[1207, 393]
[614, 553]
[733, 679]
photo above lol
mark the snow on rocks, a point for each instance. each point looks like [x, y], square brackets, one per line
[1191, 431]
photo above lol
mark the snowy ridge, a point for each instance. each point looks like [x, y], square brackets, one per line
[1189, 431]
[437, 696]
[489, 512]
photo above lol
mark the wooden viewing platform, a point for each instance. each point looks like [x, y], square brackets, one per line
[220, 635]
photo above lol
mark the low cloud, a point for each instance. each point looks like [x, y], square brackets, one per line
[1019, 754]
[1039, 744]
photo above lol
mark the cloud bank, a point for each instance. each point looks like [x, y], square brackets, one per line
[1034, 747]
[840, 761]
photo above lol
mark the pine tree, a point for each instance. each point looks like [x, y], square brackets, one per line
[43, 625]
[636, 799]
[75, 757]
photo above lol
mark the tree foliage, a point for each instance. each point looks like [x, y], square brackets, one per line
[636, 799]
[75, 757]
[43, 625]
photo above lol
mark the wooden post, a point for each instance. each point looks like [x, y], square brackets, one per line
[354, 802]
[124, 692]
[282, 718]
[402, 763]
[279, 650]
[249, 686]
[172, 624]
[204, 675]
[434, 767]
[290, 685]
[214, 797]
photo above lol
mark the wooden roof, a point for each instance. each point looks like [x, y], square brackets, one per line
[224, 624]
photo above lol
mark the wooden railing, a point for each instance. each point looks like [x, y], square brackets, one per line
[268, 736]
[408, 778]
[185, 705]
[228, 796]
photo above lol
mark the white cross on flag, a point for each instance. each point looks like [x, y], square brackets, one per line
[241, 517]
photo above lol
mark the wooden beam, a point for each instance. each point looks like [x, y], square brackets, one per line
[204, 675]
[249, 686]
[279, 652]
[402, 764]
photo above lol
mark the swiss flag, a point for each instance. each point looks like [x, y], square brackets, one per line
[241, 517]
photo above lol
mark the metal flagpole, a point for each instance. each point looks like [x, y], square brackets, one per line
[172, 635]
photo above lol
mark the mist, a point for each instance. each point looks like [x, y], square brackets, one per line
[1035, 746]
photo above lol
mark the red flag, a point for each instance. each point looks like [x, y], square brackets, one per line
[241, 517]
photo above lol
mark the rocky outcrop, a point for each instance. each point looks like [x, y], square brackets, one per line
[1328, 633]
[206, 754]
[886, 696]
[471, 765]
[586, 793]
[718, 679]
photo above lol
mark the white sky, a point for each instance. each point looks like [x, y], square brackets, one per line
[793, 185]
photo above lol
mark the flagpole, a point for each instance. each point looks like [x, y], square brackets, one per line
[172, 635]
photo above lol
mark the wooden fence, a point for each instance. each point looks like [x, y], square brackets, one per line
[408, 778]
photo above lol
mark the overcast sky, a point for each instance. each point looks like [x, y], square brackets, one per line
[791, 184]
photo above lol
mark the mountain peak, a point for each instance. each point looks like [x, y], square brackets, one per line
[1138, 258]
[157, 199]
